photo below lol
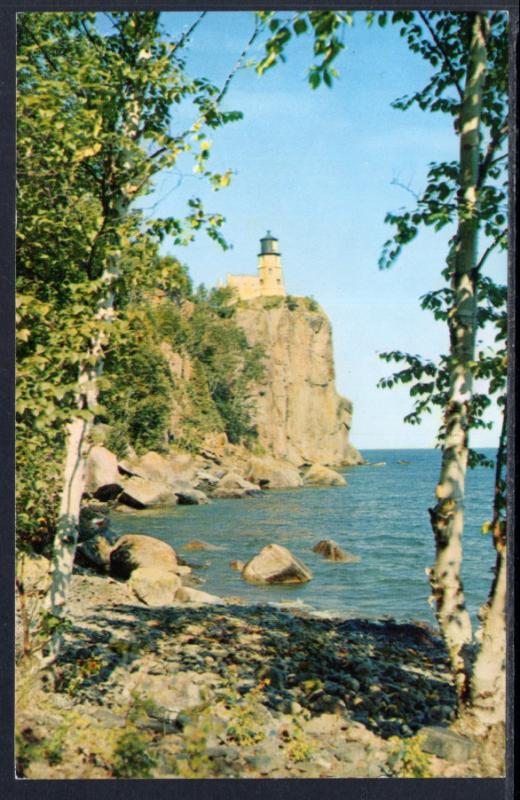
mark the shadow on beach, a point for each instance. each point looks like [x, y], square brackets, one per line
[392, 677]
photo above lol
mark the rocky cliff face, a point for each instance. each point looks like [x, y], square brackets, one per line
[299, 414]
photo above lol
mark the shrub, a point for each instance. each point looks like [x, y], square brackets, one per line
[407, 759]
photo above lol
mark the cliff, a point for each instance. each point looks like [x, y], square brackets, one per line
[299, 414]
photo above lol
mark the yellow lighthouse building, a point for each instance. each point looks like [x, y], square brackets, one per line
[269, 280]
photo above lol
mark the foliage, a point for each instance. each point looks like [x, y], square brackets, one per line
[272, 302]
[224, 367]
[407, 759]
[136, 387]
[95, 100]
[326, 28]
[71, 676]
[298, 746]
[30, 747]
[311, 304]
[132, 757]
[245, 726]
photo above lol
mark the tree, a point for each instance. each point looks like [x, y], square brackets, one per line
[95, 103]
[468, 56]
[469, 82]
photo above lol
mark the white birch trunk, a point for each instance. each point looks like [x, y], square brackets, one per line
[488, 681]
[76, 449]
[447, 517]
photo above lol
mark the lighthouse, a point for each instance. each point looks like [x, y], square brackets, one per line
[269, 280]
[270, 267]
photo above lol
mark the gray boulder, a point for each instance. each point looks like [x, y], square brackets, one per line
[275, 564]
[446, 744]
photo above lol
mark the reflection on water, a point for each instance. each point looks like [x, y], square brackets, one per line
[380, 516]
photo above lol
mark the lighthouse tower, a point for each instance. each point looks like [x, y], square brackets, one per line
[270, 267]
[268, 281]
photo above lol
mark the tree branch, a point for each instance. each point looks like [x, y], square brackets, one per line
[185, 36]
[495, 142]
[445, 56]
[239, 62]
[485, 254]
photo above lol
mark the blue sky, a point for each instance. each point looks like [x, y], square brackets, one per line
[320, 169]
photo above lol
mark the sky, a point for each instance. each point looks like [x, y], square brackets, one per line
[320, 169]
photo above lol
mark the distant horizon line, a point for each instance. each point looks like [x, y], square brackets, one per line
[411, 447]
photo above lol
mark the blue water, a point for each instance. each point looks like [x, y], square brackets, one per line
[381, 516]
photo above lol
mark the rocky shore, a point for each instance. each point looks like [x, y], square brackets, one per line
[240, 691]
[159, 679]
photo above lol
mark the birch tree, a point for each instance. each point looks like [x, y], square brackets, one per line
[468, 56]
[470, 83]
[96, 95]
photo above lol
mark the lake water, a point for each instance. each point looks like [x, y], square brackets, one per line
[380, 516]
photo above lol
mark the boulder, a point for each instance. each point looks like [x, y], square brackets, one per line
[95, 552]
[133, 551]
[223, 493]
[330, 550]
[154, 585]
[154, 467]
[318, 475]
[446, 744]
[238, 565]
[185, 594]
[191, 497]
[204, 478]
[272, 473]
[232, 480]
[275, 564]
[143, 493]
[102, 477]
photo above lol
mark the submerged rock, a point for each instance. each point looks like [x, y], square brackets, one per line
[330, 550]
[275, 564]
[198, 544]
